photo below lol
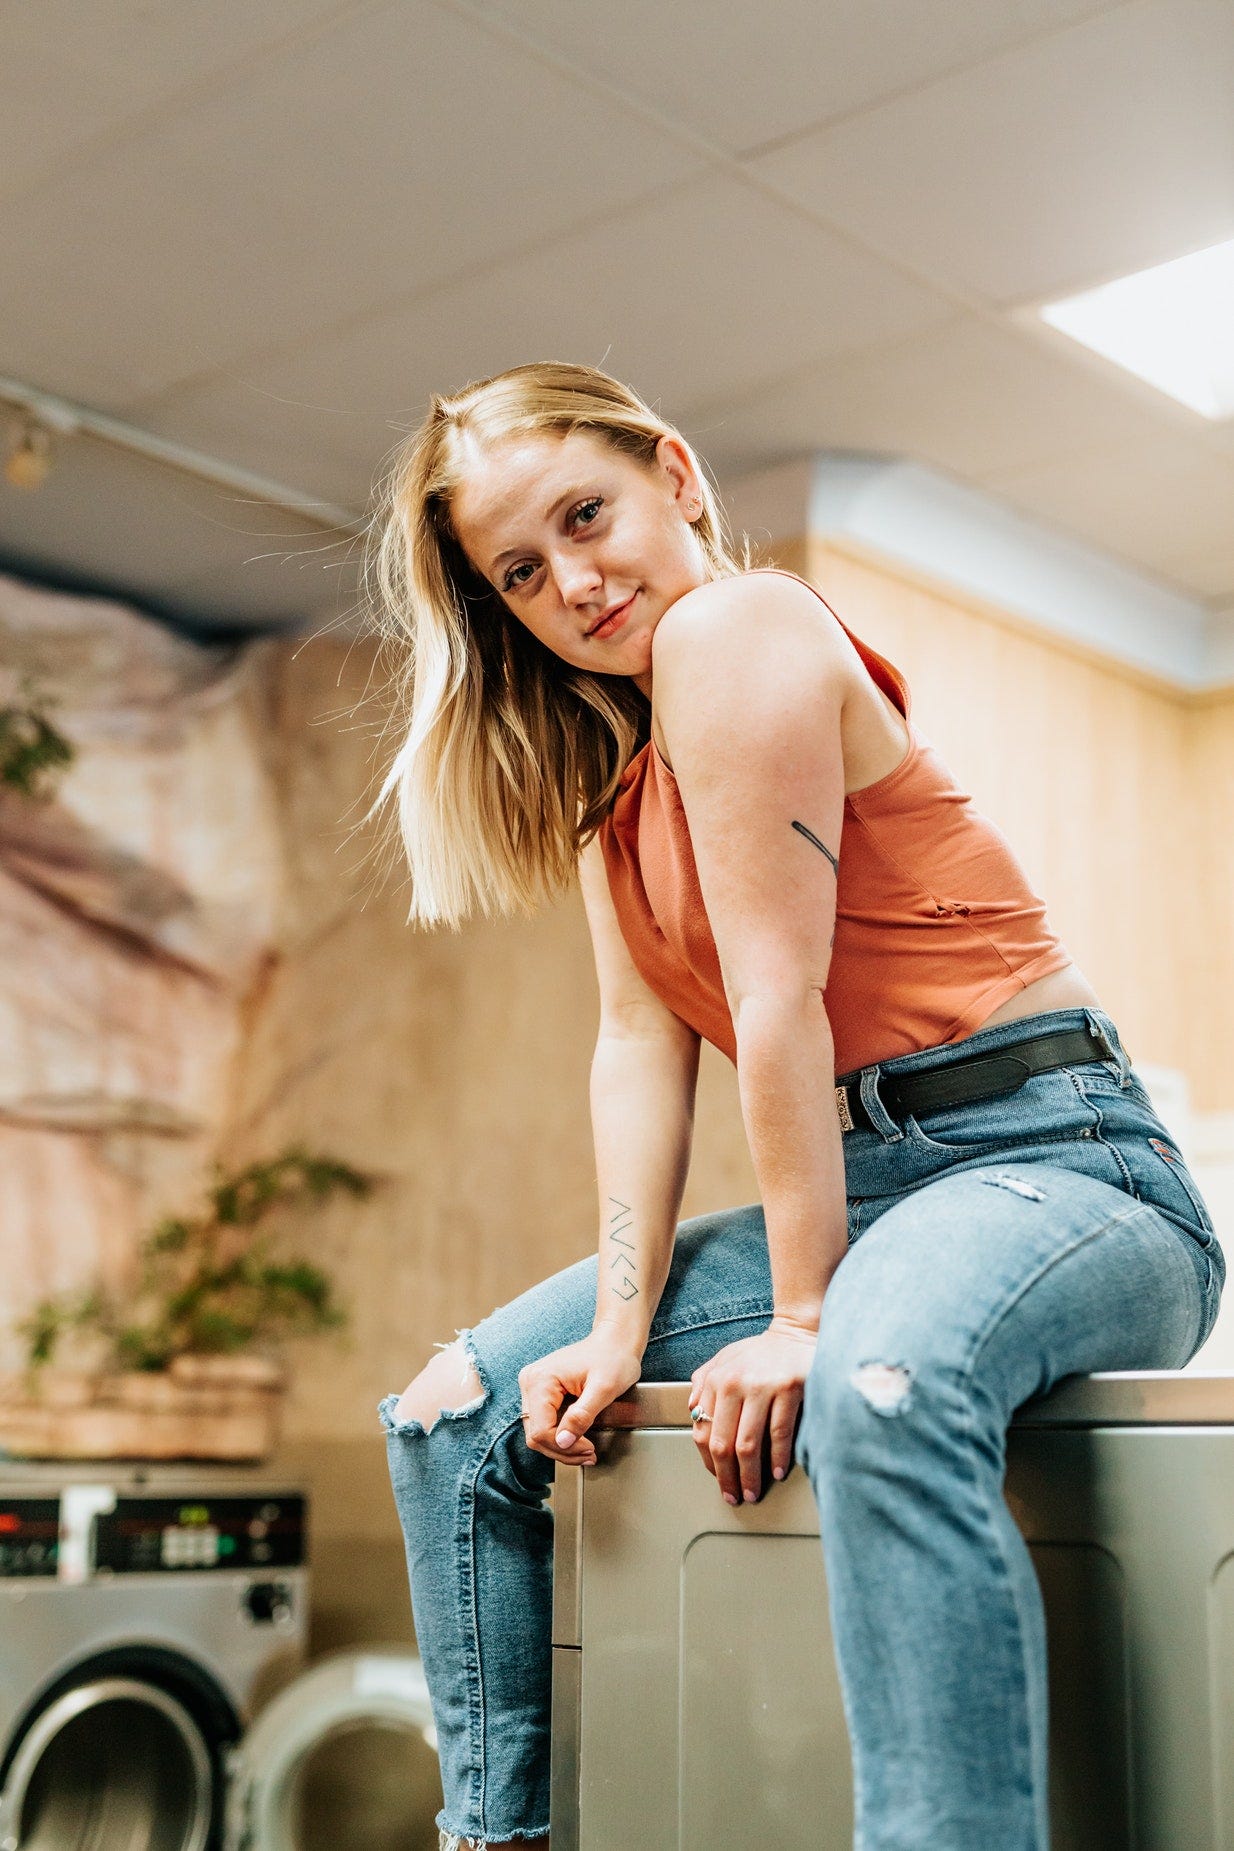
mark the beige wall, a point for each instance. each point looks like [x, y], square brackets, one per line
[455, 1066]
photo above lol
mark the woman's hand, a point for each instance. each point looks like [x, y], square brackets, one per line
[589, 1375]
[752, 1388]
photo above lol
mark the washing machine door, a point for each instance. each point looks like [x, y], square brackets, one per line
[345, 1755]
[110, 1763]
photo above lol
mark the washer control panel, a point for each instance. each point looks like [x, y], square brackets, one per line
[145, 1534]
[29, 1536]
[104, 1532]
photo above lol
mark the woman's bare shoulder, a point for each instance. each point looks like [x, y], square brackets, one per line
[761, 604]
[752, 622]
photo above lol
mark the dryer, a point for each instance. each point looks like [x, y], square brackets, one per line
[692, 1639]
[146, 1611]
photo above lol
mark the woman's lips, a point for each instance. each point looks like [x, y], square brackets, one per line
[615, 621]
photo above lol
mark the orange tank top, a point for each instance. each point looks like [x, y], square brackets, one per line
[936, 924]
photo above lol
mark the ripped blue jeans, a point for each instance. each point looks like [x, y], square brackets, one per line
[994, 1248]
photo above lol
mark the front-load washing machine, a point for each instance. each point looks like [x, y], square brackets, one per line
[145, 1613]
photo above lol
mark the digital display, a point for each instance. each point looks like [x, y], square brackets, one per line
[153, 1535]
[29, 1536]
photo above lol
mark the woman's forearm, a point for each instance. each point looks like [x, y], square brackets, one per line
[786, 1077]
[642, 1110]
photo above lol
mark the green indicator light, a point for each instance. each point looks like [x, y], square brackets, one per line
[227, 1545]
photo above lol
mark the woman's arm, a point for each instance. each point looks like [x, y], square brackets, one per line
[643, 1079]
[749, 691]
[642, 1116]
[644, 1074]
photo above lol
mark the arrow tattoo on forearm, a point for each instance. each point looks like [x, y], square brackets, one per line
[617, 1236]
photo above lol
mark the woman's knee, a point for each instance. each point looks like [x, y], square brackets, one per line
[484, 1362]
[450, 1384]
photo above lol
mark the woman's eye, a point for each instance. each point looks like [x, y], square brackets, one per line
[510, 583]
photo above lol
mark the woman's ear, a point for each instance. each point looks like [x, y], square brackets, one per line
[674, 460]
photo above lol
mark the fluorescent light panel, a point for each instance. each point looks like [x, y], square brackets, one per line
[1172, 325]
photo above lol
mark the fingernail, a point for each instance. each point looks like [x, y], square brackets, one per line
[565, 1440]
[729, 1498]
[751, 1497]
[779, 1472]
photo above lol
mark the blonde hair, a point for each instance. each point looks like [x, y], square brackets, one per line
[511, 756]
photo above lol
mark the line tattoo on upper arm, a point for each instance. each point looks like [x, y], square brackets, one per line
[811, 837]
[834, 860]
[626, 1286]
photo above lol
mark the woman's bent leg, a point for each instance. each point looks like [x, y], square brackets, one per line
[963, 1300]
[471, 1495]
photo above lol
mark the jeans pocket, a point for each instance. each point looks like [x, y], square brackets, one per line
[1171, 1158]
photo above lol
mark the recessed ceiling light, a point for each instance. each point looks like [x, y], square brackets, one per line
[1172, 325]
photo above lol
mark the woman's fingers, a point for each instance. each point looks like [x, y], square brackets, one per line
[596, 1394]
[543, 1396]
[701, 1435]
[749, 1445]
[783, 1430]
[722, 1427]
[745, 1428]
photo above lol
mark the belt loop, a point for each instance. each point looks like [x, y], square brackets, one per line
[1109, 1048]
[880, 1118]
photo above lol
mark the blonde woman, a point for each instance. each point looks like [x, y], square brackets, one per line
[965, 1192]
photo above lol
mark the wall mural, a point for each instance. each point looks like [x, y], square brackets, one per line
[141, 883]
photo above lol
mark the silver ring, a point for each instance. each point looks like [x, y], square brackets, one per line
[697, 1414]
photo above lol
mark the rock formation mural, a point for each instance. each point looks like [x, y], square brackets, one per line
[139, 906]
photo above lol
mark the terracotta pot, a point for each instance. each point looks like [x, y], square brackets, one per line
[201, 1407]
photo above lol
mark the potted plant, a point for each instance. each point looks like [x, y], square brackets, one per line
[32, 751]
[187, 1365]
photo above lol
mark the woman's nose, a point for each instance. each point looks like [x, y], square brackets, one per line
[578, 580]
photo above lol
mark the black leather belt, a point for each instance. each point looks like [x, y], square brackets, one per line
[979, 1076]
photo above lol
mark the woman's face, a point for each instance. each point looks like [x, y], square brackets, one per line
[567, 529]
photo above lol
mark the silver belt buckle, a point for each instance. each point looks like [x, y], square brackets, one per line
[846, 1117]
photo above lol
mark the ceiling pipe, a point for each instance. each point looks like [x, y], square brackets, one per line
[64, 419]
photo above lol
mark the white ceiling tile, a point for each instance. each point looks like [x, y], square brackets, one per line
[403, 147]
[741, 75]
[698, 291]
[72, 70]
[965, 396]
[271, 230]
[1098, 151]
[1158, 505]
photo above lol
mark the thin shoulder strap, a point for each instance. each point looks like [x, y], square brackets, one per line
[882, 671]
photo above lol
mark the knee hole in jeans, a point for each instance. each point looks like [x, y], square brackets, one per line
[885, 1386]
[447, 1388]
